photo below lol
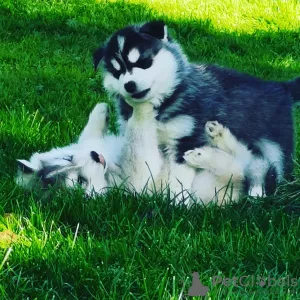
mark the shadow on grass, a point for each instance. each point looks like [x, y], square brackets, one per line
[270, 55]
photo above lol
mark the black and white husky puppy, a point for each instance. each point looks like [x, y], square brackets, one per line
[142, 63]
[99, 160]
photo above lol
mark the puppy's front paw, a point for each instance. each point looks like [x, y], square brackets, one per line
[214, 129]
[199, 157]
[99, 113]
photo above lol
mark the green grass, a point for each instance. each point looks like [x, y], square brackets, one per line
[133, 247]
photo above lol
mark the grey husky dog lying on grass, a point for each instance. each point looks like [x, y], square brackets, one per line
[99, 160]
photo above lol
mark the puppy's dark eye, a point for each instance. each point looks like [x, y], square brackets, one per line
[144, 63]
[81, 180]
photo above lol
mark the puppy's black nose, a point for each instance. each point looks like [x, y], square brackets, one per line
[130, 86]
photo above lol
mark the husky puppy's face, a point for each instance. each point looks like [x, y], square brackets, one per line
[79, 169]
[138, 64]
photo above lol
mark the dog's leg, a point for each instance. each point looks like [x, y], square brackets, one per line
[254, 167]
[207, 187]
[181, 177]
[222, 174]
[217, 161]
[96, 126]
[141, 159]
[222, 138]
[256, 172]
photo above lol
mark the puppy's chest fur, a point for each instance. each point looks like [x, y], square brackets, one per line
[169, 132]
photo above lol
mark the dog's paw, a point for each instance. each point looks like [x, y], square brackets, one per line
[214, 129]
[99, 113]
[199, 157]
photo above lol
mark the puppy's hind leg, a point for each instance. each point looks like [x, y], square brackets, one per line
[256, 172]
[96, 126]
[217, 161]
[222, 138]
[181, 178]
[222, 174]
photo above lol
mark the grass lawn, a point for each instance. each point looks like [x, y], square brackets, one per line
[134, 247]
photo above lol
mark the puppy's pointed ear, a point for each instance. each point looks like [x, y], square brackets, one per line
[99, 158]
[157, 29]
[25, 166]
[98, 56]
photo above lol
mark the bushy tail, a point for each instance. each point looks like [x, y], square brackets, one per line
[293, 87]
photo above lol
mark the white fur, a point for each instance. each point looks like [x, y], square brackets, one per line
[121, 42]
[141, 157]
[161, 81]
[257, 171]
[258, 166]
[97, 123]
[165, 38]
[174, 129]
[181, 177]
[115, 64]
[133, 55]
[218, 164]
[273, 152]
[221, 137]
[136, 159]
[92, 138]
[222, 168]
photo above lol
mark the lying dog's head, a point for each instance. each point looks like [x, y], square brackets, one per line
[76, 168]
[140, 63]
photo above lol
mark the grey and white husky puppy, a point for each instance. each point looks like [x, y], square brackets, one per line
[99, 160]
[142, 63]
[84, 163]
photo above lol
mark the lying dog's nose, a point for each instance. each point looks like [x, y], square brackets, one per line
[130, 86]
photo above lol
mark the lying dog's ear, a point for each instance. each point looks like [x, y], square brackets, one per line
[99, 158]
[25, 166]
[97, 56]
[157, 29]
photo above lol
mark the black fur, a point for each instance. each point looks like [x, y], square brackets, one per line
[97, 56]
[125, 109]
[95, 156]
[255, 150]
[45, 179]
[154, 28]
[293, 87]
[146, 40]
[251, 108]
[270, 181]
